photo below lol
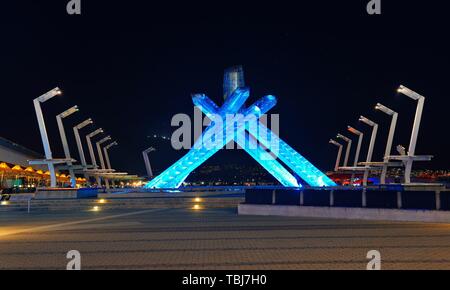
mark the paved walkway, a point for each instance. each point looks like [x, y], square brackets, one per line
[214, 239]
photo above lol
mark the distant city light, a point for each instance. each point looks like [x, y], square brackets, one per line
[95, 208]
[156, 136]
[4, 202]
[102, 200]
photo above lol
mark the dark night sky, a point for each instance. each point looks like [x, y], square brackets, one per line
[132, 65]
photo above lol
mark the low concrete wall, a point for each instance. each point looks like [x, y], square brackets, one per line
[66, 193]
[183, 194]
[56, 194]
[87, 193]
[431, 216]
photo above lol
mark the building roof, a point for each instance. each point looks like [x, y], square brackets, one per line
[19, 148]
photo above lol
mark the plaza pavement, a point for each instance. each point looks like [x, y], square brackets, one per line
[183, 238]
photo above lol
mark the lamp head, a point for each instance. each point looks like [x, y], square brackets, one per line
[354, 131]
[408, 92]
[48, 95]
[69, 112]
[340, 136]
[107, 138]
[111, 145]
[84, 123]
[148, 150]
[96, 132]
[335, 143]
[367, 121]
[384, 109]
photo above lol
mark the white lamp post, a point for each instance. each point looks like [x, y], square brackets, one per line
[108, 162]
[78, 140]
[338, 159]
[371, 145]
[390, 139]
[415, 131]
[147, 161]
[105, 151]
[91, 150]
[62, 134]
[40, 118]
[100, 155]
[358, 147]
[349, 146]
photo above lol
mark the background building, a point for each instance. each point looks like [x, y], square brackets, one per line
[14, 153]
[15, 172]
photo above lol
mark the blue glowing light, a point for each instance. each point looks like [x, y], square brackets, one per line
[296, 162]
[247, 137]
[204, 148]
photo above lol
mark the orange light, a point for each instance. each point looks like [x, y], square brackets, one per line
[196, 207]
